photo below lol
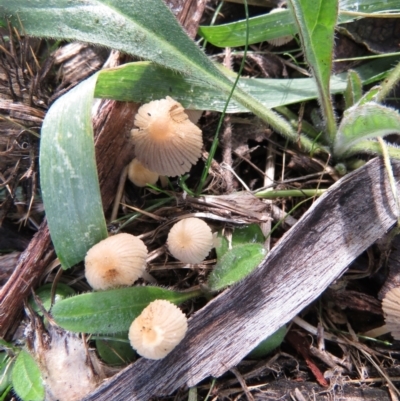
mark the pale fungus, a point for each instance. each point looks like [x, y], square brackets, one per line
[115, 262]
[158, 329]
[190, 240]
[391, 309]
[166, 141]
[140, 175]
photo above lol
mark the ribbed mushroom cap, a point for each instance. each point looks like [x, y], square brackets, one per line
[116, 261]
[158, 329]
[190, 240]
[140, 175]
[166, 141]
[391, 308]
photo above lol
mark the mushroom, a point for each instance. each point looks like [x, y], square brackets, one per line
[116, 261]
[166, 141]
[190, 240]
[158, 329]
[391, 309]
[140, 175]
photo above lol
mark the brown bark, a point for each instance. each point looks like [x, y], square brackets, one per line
[345, 221]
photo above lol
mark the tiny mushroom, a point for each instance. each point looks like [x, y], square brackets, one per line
[115, 262]
[158, 329]
[190, 240]
[391, 309]
[166, 141]
[140, 175]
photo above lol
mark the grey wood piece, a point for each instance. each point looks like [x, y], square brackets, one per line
[346, 220]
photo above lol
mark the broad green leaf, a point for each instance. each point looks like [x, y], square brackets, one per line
[144, 81]
[26, 378]
[316, 22]
[235, 265]
[353, 91]
[115, 352]
[264, 27]
[269, 344]
[68, 175]
[44, 293]
[250, 234]
[113, 311]
[362, 122]
[269, 26]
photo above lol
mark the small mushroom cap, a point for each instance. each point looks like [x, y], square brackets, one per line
[158, 329]
[166, 141]
[116, 261]
[190, 240]
[391, 309]
[140, 175]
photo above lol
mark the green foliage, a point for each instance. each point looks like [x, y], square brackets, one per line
[26, 378]
[115, 352]
[269, 344]
[44, 294]
[113, 311]
[70, 187]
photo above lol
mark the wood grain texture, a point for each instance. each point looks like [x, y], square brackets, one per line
[351, 216]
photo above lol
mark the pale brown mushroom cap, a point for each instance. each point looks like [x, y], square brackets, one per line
[166, 141]
[140, 175]
[391, 309]
[190, 240]
[116, 261]
[158, 329]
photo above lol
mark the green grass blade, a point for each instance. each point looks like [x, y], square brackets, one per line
[26, 378]
[264, 27]
[113, 311]
[271, 26]
[68, 175]
[369, 120]
[316, 22]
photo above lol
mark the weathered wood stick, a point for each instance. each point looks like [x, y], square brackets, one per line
[350, 217]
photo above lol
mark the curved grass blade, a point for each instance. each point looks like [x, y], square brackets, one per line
[270, 26]
[369, 120]
[26, 378]
[68, 175]
[113, 311]
[316, 22]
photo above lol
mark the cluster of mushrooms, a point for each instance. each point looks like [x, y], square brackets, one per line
[166, 143]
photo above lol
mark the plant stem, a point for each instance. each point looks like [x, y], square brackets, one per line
[388, 84]
[286, 193]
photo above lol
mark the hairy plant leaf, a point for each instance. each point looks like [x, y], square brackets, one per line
[269, 344]
[369, 120]
[44, 293]
[113, 311]
[26, 378]
[270, 26]
[316, 22]
[250, 234]
[264, 27]
[144, 81]
[353, 91]
[115, 352]
[235, 265]
[68, 175]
